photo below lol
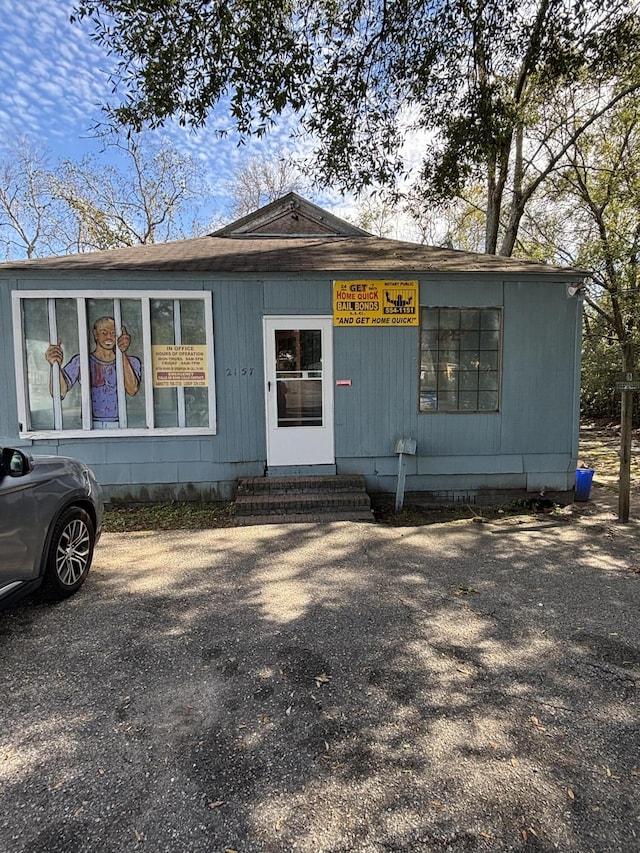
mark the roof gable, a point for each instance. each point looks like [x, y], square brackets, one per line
[290, 216]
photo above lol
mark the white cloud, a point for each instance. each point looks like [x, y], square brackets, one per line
[53, 78]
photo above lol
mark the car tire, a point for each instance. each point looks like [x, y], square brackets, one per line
[70, 553]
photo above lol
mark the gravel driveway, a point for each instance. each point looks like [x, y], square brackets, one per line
[338, 687]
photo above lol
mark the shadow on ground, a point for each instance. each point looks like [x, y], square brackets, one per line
[331, 688]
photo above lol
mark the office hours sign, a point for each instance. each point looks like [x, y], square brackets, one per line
[368, 302]
[179, 366]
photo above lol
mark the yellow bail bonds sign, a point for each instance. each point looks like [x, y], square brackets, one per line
[179, 366]
[375, 303]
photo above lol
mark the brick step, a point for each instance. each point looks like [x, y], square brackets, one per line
[279, 504]
[272, 500]
[301, 485]
[320, 517]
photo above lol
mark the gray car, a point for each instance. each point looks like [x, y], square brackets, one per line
[50, 519]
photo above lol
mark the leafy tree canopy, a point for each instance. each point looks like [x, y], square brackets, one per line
[474, 75]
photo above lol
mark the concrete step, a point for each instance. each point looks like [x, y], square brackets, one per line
[268, 500]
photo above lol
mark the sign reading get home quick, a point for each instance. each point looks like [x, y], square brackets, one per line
[375, 303]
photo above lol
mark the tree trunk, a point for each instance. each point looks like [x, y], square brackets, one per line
[518, 200]
[626, 424]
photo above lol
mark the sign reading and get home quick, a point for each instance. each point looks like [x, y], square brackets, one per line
[375, 303]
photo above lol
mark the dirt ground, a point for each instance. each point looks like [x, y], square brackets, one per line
[599, 449]
[332, 688]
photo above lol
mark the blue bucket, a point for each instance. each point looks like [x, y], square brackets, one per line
[584, 479]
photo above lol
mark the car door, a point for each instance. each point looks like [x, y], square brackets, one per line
[20, 535]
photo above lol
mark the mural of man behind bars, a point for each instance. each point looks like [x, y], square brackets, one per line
[102, 364]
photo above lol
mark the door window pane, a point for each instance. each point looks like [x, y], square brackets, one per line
[299, 377]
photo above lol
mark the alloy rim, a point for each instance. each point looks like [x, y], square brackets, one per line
[72, 554]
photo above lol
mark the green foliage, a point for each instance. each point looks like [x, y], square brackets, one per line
[182, 56]
[603, 181]
[476, 78]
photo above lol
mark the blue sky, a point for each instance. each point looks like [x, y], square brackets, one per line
[53, 79]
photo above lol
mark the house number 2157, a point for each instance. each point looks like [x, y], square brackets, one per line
[239, 371]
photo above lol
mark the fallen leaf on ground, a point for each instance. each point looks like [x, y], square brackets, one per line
[216, 804]
[570, 794]
[321, 679]
[465, 590]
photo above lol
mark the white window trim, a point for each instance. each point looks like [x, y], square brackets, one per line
[145, 297]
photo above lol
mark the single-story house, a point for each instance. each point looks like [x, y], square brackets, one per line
[291, 342]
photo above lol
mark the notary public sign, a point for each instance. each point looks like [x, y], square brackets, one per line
[369, 302]
[179, 366]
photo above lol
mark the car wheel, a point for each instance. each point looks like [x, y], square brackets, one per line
[70, 553]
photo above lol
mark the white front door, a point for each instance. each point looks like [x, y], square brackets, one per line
[299, 390]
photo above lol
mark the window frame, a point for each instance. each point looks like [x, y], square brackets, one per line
[437, 411]
[81, 298]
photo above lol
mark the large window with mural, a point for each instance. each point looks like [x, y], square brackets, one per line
[131, 362]
[460, 359]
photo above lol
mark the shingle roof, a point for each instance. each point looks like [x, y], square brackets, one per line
[288, 235]
[288, 254]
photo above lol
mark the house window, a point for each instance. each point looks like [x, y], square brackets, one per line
[148, 356]
[460, 356]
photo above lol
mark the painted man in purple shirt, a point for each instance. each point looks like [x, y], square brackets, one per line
[102, 364]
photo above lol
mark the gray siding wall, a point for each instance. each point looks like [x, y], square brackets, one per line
[530, 445]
